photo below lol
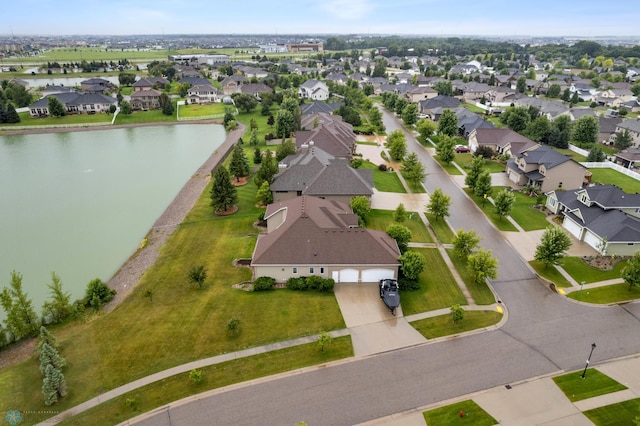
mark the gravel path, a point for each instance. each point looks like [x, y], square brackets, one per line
[131, 271]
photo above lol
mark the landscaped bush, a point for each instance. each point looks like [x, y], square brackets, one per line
[484, 151]
[382, 167]
[314, 282]
[295, 283]
[269, 136]
[327, 285]
[98, 294]
[264, 283]
[407, 284]
[356, 163]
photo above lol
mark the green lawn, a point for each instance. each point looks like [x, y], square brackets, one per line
[607, 294]
[152, 116]
[437, 290]
[182, 323]
[450, 415]
[523, 212]
[443, 325]
[612, 177]
[381, 219]
[415, 187]
[202, 110]
[384, 181]
[441, 229]
[581, 271]
[622, 413]
[550, 273]
[180, 386]
[464, 161]
[501, 223]
[26, 120]
[449, 168]
[595, 383]
[481, 294]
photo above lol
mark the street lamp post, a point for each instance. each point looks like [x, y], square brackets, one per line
[593, 346]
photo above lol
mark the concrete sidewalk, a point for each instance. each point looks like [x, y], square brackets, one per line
[536, 401]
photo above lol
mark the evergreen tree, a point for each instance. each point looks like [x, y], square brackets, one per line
[167, 108]
[239, 165]
[257, 156]
[596, 155]
[264, 195]
[400, 213]
[21, 320]
[50, 356]
[268, 169]
[56, 109]
[46, 337]
[3, 112]
[53, 385]
[223, 194]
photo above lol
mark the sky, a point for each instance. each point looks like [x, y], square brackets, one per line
[584, 18]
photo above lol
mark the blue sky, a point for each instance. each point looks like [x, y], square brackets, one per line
[430, 17]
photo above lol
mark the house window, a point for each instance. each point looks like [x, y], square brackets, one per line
[552, 201]
[322, 270]
[294, 270]
[560, 185]
[311, 270]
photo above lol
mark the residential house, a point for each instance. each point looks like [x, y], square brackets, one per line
[316, 173]
[311, 236]
[95, 85]
[576, 113]
[614, 97]
[469, 121]
[338, 78]
[420, 94]
[314, 89]
[143, 100]
[54, 90]
[329, 133]
[203, 94]
[231, 83]
[629, 158]
[502, 141]
[440, 102]
[499, 93]
[608, 129]
[603, 216]
[319, 106]
[255, 89]
[544, 168]
[74, 103]
[633, 126]
[142, 84]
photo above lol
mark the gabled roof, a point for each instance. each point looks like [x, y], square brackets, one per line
[440, 101]
[195, 81]
[92, 98]
[543, 155]
[143, 82]
[319, 106]
[311, 84]
[611, 197]
[503, 137]
[321, 232]
[252, 88]
[146, 93]
[632, 125]
[332, 134]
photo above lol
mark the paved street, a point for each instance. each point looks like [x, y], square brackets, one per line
[545, 334]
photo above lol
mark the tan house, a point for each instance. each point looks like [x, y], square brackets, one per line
[421, 94]
[502, 141]
[311, 236]
[603, 216]
[145, 99]
[543, 168]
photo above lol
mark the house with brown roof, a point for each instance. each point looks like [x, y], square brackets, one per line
[502, 141]
[327, 132]
[312, 236]
[629, 158]
[603, 216]
[145, 99]
[316, 173]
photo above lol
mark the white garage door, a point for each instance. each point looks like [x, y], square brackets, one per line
[513, 176]
[592, 239]
[573, 228]
[346, 276]
[375, 275]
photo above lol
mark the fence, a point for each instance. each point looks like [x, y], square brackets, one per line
[614, 166]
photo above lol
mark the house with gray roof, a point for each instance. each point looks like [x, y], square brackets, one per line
[314, 89]
[603, 216]
[314, 172]
[633, 126]
[143, 100]
[74, 103]
[327, 132]
[320, 106]
[629, 158]
[439, 102]
[314, 236]
[544, 168]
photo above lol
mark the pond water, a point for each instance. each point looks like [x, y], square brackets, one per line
[79, 203]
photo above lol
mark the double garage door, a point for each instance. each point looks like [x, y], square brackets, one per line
[365, 276]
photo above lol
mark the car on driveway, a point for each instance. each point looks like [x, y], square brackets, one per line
[462, 148]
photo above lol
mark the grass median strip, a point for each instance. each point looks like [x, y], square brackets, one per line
[622, 413]
[443, 325]
[594, 384]
[464, 412]
[607, 294]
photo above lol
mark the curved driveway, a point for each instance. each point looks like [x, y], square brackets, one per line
[545, 333]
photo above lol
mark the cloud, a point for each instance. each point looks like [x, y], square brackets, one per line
[348, 9]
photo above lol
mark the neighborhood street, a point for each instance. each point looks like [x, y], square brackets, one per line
[545, 333]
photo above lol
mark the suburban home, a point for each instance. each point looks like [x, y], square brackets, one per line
[314, 89]
[544, 168]
[203, 94]
[420, 94]
[608, 129]
[142, 84]
[469, 121]
[327, 132]
[629, 157]
[95, 85]
[440, 102]
[633, 126]
[311, 236]
[74, 103]
[142, 100]
[502, 141]
[320, 106]
[254, 89]
[314, 172]
[231, 83]
[603, 216]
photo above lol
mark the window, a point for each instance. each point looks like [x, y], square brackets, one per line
[311, 270]
[294, 270]
[552, 201]
[322, 270]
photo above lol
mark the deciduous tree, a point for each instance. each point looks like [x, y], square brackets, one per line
[475, 169]
[448, 123]
[482, 265]
[197, 275]
[245, 102]
[439, 204]
[446, 149]
[59, 307]
[504, 202]
[397, 145]
[21, 319]
[361, 207]
[631, 272]
[553, 246]
[413, 169]
[412, 264]
[401, 234]
[464, 242]
[585, 130]
[483, 187]
[56, 109]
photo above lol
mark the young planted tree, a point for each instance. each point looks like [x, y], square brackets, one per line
[412, 264]
[223, 194]
[54, 385]
[439, 204]
[257, 156]
[268, 169]
[631, 272]
[504, 202]
[361, 206]
[413, 169]
[482, 265]
[448, 123]
[323, 340]
[476, 168]
[197, 275]
[49, 356]
[400, 213]
[401, 234]
[483, 187]
[397, 145]
[21, 319]
[553, 246]
[446, 149]
[264, 195]
[410, 114]
[59, 307]
[464, 243]
[239, 165]
[457, 313]
[426, 129]
[167, 108]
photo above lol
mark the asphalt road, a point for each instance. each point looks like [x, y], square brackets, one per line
[545, 333]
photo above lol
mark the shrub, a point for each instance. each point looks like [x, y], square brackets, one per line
[382, 167]
[407, 284]
[269, 136]
[484, 151]
[295, 283]
[98, 294]
[314, 282]
[264, 283]
[356, 163]
[233, 326]
[327, 285]
[195, 376]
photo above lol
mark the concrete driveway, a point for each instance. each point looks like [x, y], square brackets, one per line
[372, 327]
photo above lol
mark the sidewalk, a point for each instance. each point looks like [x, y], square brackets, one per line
[536, 401]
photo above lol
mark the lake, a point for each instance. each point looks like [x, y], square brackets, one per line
[80, 203]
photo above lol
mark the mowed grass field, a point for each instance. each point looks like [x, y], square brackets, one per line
[182, 323]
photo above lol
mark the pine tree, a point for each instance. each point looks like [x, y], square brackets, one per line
[45, 337]
[239, 165]
[50, 356]
[268, 169]
[56, 109]
[53, 385]
[223, 194]
[12, 115]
